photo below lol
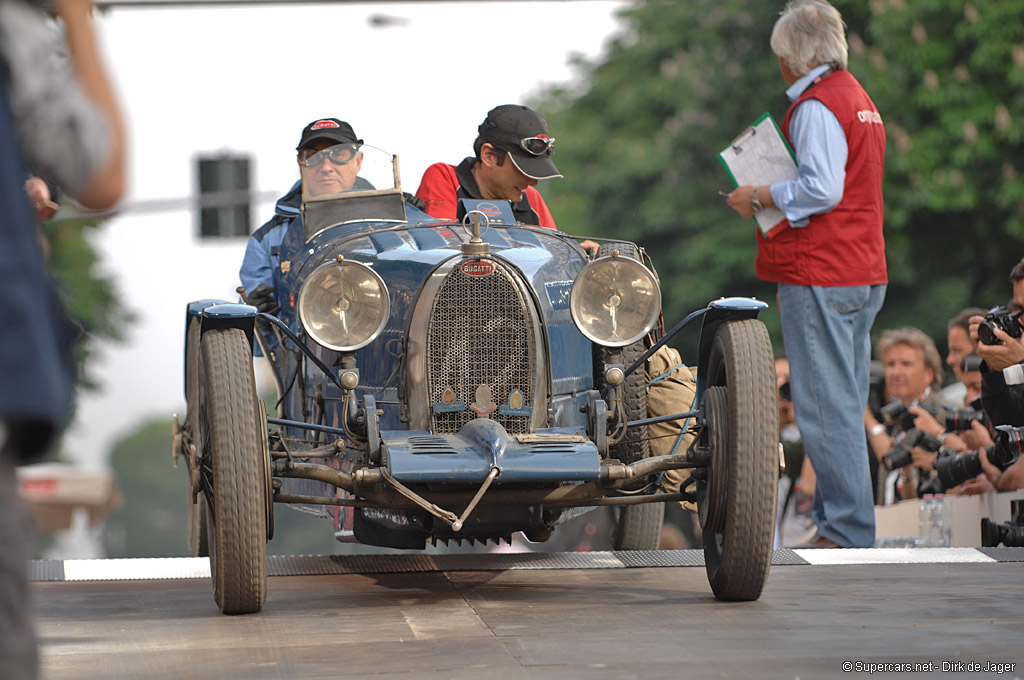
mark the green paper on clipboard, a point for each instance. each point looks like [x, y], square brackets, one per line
[760, 155]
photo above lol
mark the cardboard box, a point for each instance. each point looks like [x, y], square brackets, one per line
[903, 519]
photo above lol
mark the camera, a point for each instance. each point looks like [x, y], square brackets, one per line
[952, 469]
[899, 455]
[960, 419]
[1003, 319]
[1010, 534]
[971, 363]
[897, 412]
[785, 392]
[952, 419]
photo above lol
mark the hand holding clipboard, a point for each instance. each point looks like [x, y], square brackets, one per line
[760, 155]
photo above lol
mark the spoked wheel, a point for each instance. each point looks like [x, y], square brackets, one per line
[637, 527]
[198, 527]
[236, 487]
[737, 502]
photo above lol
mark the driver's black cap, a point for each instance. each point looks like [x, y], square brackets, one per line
[328, 128]
[507, 124]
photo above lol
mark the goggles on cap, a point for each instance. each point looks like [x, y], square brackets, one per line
[538, 146]
[339, 154]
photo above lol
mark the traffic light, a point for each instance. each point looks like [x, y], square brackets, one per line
[224, 197]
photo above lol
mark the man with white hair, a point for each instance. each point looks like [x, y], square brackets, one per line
[829, 262]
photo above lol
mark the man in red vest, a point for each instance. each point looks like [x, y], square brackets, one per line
[829, 261]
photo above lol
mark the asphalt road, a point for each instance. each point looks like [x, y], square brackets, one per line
[575, 615]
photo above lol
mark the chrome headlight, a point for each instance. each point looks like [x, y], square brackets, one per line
[344, 305]
[615, 301]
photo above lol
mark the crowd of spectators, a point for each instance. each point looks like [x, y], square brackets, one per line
[924, 437]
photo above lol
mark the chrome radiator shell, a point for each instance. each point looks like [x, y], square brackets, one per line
[469, 331]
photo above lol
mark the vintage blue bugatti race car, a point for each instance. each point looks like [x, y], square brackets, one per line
[441, 380]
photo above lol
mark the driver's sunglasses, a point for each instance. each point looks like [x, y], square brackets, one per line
[340, 154]
[538, 146]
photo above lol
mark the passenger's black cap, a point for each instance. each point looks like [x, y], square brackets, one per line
[506, 125]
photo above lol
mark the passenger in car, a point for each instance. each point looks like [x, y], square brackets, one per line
[329, 151]
[509, 133]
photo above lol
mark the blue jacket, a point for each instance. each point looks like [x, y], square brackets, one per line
[35, 337]
[262, 261]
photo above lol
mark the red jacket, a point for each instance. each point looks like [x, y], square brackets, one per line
[845, 246]
[443, 185]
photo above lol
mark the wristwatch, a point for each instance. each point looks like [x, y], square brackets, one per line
[755, 202]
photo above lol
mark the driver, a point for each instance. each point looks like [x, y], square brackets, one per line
[329, 159]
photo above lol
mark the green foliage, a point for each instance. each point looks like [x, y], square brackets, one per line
[638, 144]
[152, 520]
[638, 140]
[947, 78]
[90, 297]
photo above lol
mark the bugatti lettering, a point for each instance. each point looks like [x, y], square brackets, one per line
[433, 386]
[477, 268]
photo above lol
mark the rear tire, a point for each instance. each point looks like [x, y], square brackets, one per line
[638, 527]
[232, 447]
[739, 556]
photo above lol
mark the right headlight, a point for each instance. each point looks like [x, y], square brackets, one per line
[615, 301]
[344, 305]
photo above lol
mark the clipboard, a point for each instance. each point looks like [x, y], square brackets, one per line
[760, 155]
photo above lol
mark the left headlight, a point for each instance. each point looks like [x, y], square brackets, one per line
[615, 301]
[344, 305]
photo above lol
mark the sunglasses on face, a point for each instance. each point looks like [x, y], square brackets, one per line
[340, 154]
[538, 145]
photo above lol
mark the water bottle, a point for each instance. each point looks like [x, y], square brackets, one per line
[942, 523]
[924, 518]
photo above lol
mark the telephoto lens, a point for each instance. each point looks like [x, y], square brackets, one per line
[953, 470]
[1010, 534]
[960, 419]
[1009, 445]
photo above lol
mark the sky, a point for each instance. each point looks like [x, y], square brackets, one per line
[247, 79]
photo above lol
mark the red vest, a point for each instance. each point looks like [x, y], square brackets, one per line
[845, 246]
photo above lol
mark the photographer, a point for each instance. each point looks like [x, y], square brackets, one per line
[959, 345]
[998, 342]
[913, 374]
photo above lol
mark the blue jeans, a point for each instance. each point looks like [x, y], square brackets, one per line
[827, 335]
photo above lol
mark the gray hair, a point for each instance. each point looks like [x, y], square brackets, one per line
[810, 33]
[913, 337]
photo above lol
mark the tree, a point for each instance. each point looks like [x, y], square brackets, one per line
[948, 77]
[90, 296]
[639, 135]
[638, 142]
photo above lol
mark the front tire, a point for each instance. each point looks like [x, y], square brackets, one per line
[743, 497]
[236, 487]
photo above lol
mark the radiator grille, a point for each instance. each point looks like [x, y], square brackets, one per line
[479, 334]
